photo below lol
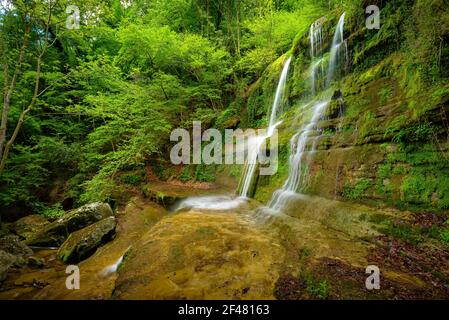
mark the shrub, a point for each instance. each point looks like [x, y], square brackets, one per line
[53, 212]
[356, 191]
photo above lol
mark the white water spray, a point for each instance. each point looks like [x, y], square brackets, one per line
[338, 45]
[113, 267]
[306, 140]
[213, 203]
[255, 145]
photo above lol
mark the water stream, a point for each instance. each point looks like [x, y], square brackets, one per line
[306, 140]
[255, 145]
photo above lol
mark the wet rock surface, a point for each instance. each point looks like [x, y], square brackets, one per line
[198, 255]
[14, 246]
[55, 233]
[319, 251]
[83, 243]
[30, 225]
[7, 261]
[13, 254]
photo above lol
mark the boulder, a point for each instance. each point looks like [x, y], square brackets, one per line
[164, 199]
[12, 245]
[30, 225]
[4, 229]
[7, 261]
[55, 233]
[35, 262]
[14, 253]
[83, 243]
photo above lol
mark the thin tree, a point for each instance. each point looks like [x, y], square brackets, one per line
[28, 20]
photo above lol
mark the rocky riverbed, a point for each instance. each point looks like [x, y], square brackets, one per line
[221, 247]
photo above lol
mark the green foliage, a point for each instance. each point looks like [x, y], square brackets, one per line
[385, 95]
[430, 54]
[424, 187]
[403, 231]
[205, 173]
[356, 191]
[317, 288]
[413, 233]
[367, 124]
[161, 171]
[131, 179]
[422, 132]
[186, 174]
[445, 236]
[53, 212]
[384, 171]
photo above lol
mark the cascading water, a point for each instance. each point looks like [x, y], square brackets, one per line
[306, 141]
[316, 38]
[316, 44]
[255, 145]
[338, 45]
[298, 144]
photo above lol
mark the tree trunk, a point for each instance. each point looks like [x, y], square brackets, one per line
[11, 87]
[46, 45]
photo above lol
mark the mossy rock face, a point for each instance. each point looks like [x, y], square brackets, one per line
[13, 253]
[29, 225]
[55, 233]
[7, 261]
[83, 243]
[12, 244]
[161, 198]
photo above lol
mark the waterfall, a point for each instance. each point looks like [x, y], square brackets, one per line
[113, 268]
[316, 38]
[255, 145]
[338, 44]
[316, 44]
[298, 145]
[306, 140]
[279, 95]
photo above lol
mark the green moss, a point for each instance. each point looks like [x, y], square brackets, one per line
[444, 236]
[399, 169]
[176, 255]
[384, 171]
[405, 232]
[205, 232]
[411, 233]
[356, 191]
[384, 95]
[367, 124]
[426, 188]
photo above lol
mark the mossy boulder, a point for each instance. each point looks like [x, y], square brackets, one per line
[13, 253]
[165, 199]
[55, 233]
[30, 225]
[7, 261]
[83, 243]
[4, 229]
[12, 245]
